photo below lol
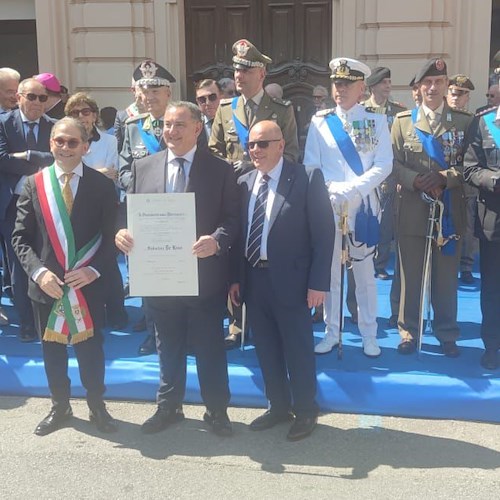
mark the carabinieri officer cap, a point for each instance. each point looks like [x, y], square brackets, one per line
[344, 68]
[247, 56]
[151, 74]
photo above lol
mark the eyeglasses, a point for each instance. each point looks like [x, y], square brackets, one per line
[203, 99]
[34, 97]
[71, 143]
[261, 144]
[77, 112]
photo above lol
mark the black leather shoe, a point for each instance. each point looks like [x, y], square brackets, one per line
[270, 419]
[103, 420]
[467, 278]
[54, 421]
[407, 347]
[233, 341]
[140, 326]
[118, 322]
[489, 359]
[27, 334]
[382, 274]
[450, 349]
[148, 346]
[219, 422]
[301, 428]
[162, 419]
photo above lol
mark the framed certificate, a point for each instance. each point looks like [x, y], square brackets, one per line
[163, 227]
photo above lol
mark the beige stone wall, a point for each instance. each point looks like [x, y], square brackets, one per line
[403, 34]
[94, 45]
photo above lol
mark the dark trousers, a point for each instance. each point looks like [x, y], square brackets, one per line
[90, 356]
[383, 254]
[18, 277]
[490, 293]
[285, 347]
[200, 319]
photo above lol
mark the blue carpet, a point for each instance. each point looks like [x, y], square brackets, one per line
[428, 385]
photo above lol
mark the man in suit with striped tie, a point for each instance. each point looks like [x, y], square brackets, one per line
[281, 271]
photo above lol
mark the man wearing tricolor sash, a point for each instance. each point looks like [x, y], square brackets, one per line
[482, 170]
[429, 143]
[64, 239]
[352, 147]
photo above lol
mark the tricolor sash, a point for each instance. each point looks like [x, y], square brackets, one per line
[241, 129]
[493, 128]
[434, 150]
[150, 141]
[70, 320]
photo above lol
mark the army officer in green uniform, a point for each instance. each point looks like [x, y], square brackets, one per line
[429, 144]
[232, 123]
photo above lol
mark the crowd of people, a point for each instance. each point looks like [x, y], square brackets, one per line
[279, 230]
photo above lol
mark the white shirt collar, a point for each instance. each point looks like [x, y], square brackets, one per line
[24, 118]
[188, 156]
[78, 170]
[274, 173]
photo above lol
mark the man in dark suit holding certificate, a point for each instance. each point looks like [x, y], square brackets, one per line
[183, 167]
[282, 270]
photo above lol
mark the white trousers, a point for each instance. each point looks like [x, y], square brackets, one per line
[366, 291]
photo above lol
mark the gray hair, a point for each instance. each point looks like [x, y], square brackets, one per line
[26, 82]
[192, 108]
[9, 74]
[71, 122]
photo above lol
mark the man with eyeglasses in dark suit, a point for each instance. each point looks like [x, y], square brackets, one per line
[24, 149]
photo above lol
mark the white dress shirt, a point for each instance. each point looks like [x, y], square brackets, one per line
[173, 167]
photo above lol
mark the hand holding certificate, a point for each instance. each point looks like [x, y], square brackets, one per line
[161, 262]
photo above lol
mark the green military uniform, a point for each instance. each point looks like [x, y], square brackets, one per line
[390, 108]
[224, 140]
[410, 160]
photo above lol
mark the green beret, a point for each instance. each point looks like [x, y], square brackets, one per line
[433, 67]
[378, 74]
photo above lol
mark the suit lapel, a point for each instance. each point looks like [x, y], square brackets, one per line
[81, 196]
[250, 181]
[422, 123]
[43, 133]
[284, 184]
[444, 124]
[17, 122]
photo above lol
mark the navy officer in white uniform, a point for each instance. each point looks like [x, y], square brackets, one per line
[352, 146]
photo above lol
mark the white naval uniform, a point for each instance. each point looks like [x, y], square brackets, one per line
[322, 151]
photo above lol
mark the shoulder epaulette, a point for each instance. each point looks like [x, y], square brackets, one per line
[226, 101]
[404, 114]
[277, 100]
[463, 112]
[487, 110]
[399, 104]
[136, 118]
[325, 112]
[370, 109]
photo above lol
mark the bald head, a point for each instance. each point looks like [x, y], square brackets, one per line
[266, 145]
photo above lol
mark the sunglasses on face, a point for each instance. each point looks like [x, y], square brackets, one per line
[203, 99]
[77, 112]
[261, 144]
[34, 97]
[71, 143]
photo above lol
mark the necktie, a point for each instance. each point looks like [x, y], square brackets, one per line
[434, 119]
[259, 214]
[250, 111]
[30, 136]
[180, 177]
[67, 193]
